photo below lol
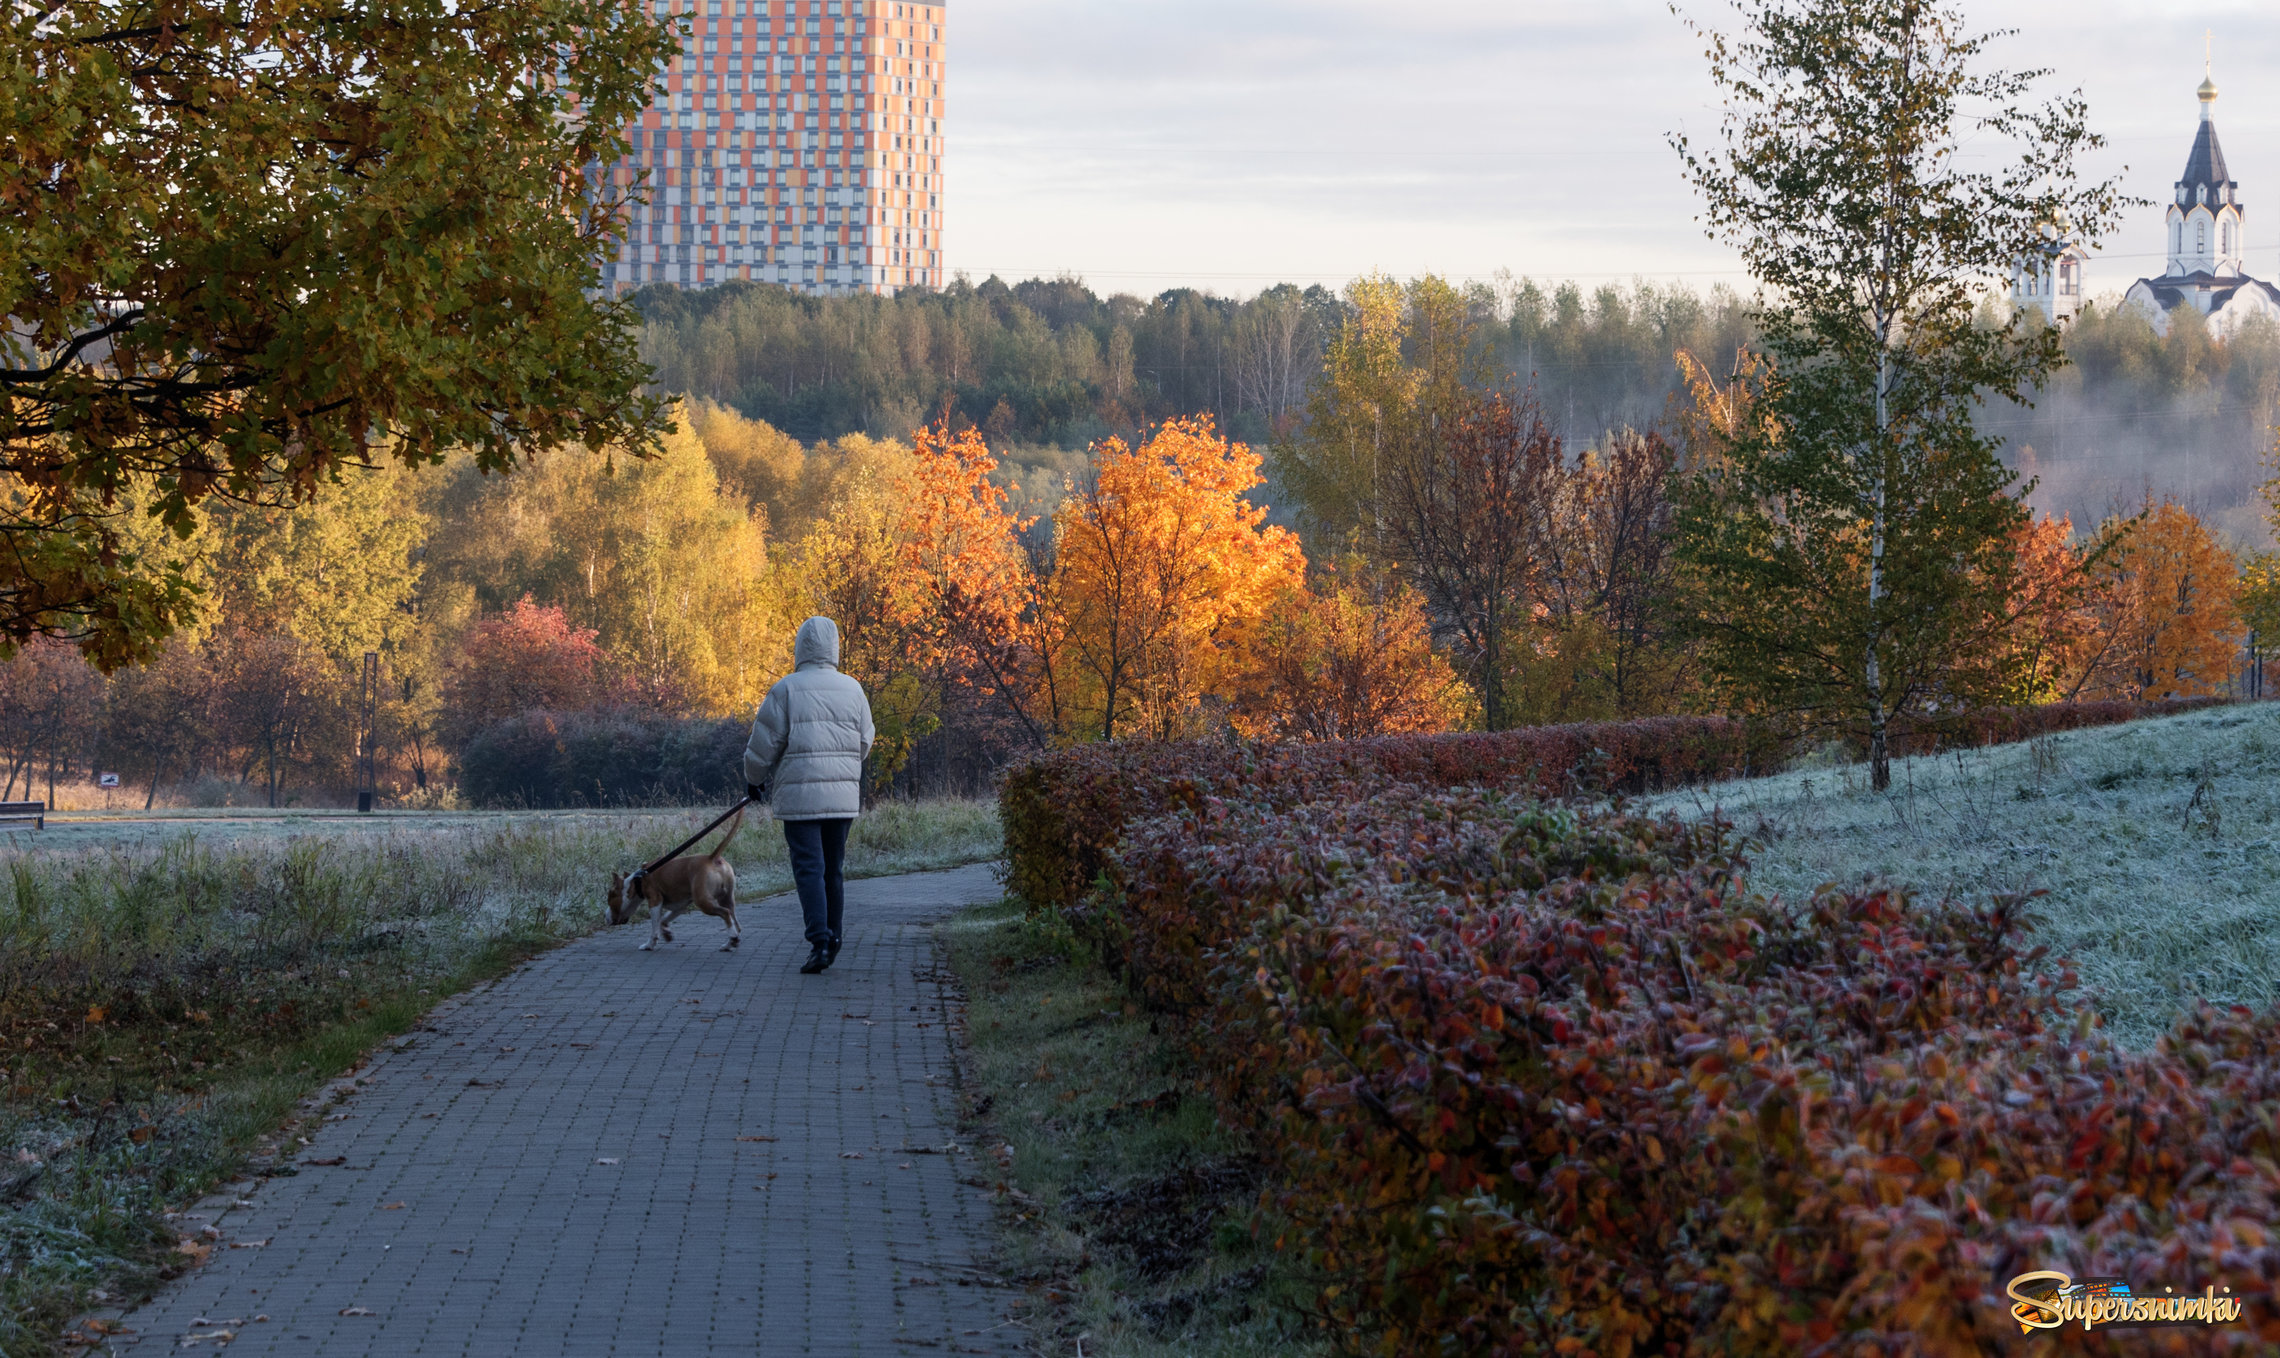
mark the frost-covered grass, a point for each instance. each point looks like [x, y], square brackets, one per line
[166, 1003]
[2158, 843]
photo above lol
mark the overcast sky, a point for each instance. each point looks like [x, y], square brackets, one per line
[1226, 144]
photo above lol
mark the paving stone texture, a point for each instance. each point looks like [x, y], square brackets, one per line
[609, 1151]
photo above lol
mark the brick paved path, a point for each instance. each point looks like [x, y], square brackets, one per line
[618, 1152]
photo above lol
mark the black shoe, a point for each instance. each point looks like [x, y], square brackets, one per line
[831, 952]
[818, 959]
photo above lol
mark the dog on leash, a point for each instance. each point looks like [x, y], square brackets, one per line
[674, 888]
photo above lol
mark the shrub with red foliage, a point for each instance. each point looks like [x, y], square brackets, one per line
[1544, 1080]
[1065, 812]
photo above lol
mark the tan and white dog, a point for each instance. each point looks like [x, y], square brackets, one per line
[674, 888]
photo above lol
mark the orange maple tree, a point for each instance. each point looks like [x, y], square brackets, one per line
[1349, 656]
[986, 606]
[2161, 607]
[1165, 575]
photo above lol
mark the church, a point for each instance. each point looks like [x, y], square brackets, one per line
[2205, 243]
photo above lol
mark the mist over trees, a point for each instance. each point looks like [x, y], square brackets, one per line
[2134, 412]
[1046, 367]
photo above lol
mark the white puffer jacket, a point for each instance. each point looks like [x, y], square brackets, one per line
[813, 731]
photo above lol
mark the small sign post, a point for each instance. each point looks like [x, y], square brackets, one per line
[106, 781]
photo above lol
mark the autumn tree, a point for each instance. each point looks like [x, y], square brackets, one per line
[1404, 362]
[2162, 602]
[2054, 636]
[1849, 548]
[531, 656]
[669, 571]
[280, 709]
[1165, 572]
[1349, 656]
[50, 702]
[249, 245]
[989, 620]
[159, 717]
[1602, 639]
[339, 574]
[756, 461]
[1465, 510]
[2259, 603]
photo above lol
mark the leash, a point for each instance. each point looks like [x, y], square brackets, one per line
[684, 846]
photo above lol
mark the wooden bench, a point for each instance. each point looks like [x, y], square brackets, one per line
[35, 812]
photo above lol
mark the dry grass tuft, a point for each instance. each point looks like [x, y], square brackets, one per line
[2156, 841]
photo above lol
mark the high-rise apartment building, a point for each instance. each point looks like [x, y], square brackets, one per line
[792, 141]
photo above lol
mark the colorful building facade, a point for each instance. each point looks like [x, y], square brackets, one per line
[796, 142]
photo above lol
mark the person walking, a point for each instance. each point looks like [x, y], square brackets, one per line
[806, 756]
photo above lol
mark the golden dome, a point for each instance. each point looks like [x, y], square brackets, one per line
[2208, 90]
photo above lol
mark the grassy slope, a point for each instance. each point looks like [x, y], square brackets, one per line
[2158, 842]
[165, 1006]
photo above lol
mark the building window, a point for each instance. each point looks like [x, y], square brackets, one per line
[2200, 238]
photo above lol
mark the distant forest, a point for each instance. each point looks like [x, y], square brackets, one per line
[1051, 363]
[1047, 367]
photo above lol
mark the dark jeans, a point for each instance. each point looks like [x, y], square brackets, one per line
[818, 847]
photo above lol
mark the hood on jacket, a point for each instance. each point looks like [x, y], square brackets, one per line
[816, 644]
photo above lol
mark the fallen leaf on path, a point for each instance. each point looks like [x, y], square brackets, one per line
[851, 1155]
[247, 1244]
[755, 1138]
[607, 1160]
[102, 1326]
[210, 1336]
[485, 1084]
[904, 1165]
[328, 1161]
[391, 1207]
[358, 1311]
[201, 1320]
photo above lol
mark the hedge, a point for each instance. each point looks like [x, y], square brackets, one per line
[1545, 1080]
[1066, 811]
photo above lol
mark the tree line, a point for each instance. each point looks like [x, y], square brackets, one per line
[1050, 363]
[1451, 561]
[1048, 367]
